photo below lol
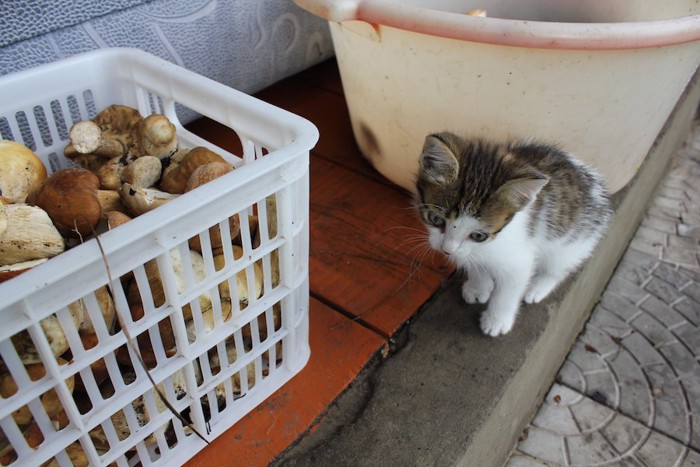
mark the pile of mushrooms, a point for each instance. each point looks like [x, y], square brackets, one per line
[125, 165]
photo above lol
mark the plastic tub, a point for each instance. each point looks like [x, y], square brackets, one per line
[599, 78]
[224, 356]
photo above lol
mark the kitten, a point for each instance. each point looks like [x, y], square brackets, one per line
[519, 217]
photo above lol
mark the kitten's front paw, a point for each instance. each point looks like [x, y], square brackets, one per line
[493, 325]
[477, 290]
[539, 289]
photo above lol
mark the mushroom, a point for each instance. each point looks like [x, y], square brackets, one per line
[70, 197]
[166, 339]
[241, 279]
[9, 271]
[176, 175]
[155, 136]
[49, 400]
[231, 357]
[119, 122]
[58, 342]
[143, 172]
[142, 200]
[181, 278]
[21, 171]
[76, 454]
[27, 233]
[110, 173]
[86, 137]
[116, 218]
[206, 173]
[215, 236]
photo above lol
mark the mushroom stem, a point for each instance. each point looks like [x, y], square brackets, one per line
[87, 138]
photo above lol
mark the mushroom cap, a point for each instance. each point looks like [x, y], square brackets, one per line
[21, 171]
[175, 177]
[69, 196]
[206, 173]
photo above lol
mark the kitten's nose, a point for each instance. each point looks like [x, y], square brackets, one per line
[450, 246]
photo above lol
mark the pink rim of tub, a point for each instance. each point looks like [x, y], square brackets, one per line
[518, 33]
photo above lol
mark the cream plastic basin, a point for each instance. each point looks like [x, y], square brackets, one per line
[599, 78]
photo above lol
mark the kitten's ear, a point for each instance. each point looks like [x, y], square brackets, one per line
[520, 191]
[437, 162]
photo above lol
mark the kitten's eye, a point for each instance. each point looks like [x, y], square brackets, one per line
[478, 237]
[436, 219]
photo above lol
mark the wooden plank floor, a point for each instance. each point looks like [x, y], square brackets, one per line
[369, 270]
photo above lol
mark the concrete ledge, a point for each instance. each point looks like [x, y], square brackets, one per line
[448, 395]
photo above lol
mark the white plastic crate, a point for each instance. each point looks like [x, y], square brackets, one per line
[212, 374]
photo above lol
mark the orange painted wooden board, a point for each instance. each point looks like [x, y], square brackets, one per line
[340, 349]
[368, 251]
[328, 111]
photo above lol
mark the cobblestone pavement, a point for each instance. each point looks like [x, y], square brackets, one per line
[629, 391]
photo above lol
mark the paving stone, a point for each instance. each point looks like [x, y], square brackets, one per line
[670, 274]
[678, 356]
[624, 308]
[642, 350]
[610, 324]
[586, 358]
[682, 242]
[602, 387]
[626, 289]
[690, 336]
[673, 193]
[660, 224]
[543, 444]
[654, 331]
[644, 246]
[690, 218]
[636, 266]
[557, 418]
[660, 451]
[590, 416]
[679, 255]
[693, 291]
[671, 414]
[690, 309]
[669, 203]
[662, 311]
[692, 459]
[597, 342]
[635, 393]
[623, 434]
[590, 448]
[652, 236]
[694, 275]
[570, 375]
[664, 213]
[520, 460]
[662, 289]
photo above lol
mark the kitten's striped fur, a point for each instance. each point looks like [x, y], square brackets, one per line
[519, 217]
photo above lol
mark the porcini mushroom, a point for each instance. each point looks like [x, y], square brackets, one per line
[142, 200]
[49, 400]
[27, 233]
[87, 138]
[176, 175]
[21, 171]
[70, 197]
[155, 136]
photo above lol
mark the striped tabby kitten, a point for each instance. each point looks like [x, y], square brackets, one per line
[519, 217]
